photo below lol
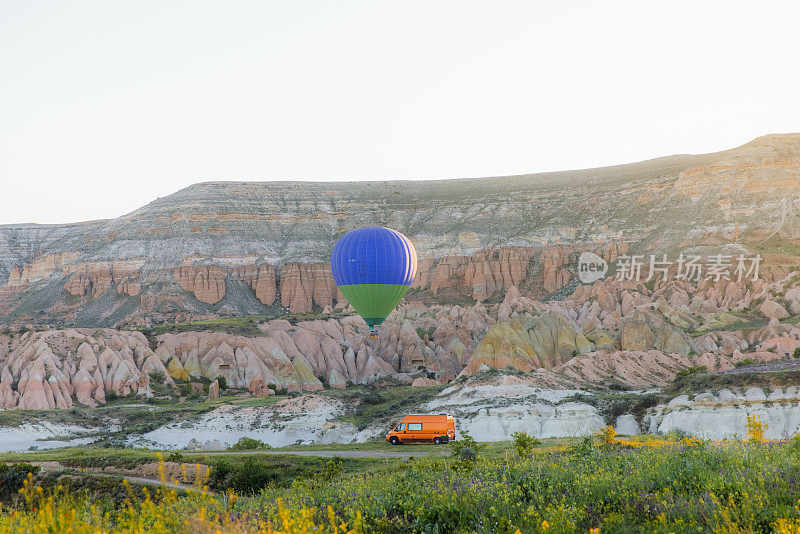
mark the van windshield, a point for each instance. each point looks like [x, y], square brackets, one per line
[400, 427]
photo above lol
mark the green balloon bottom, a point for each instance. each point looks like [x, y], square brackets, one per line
[374, 302]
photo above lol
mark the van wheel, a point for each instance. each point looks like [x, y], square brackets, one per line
[437, 441]
[445, 440]
[394, 441]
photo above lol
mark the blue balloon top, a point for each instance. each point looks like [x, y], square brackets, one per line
[374, 255]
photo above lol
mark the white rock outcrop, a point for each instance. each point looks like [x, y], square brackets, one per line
[724, 415]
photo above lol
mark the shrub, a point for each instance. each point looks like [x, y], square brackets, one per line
[246, 476]
[755, 429]
[465, 441]
[248, 444]
[373, 397]
[277, 390]
[796, 353]
[175, 457]
[329, 470]
[745, 362]
[223, 382]
[158, 377]
[467, 454]
[691, 371]
[524, 443]
[111, 396]
[12, 478]
[608, 435]
[422, 332]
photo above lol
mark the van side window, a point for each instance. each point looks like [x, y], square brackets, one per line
[415, 426]
[400, 427]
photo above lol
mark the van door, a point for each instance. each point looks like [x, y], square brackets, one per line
[415, 431]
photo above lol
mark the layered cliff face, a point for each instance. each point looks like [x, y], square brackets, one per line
[234, 248]
[497, 285]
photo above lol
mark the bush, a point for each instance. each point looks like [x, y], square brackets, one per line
[252, 473]
[755, 429]
[465, 441]
[158, 377]
[329, 470]
[796, 353]
[373, 397]
[524, 443]
[223, 382]
[12, 478]
[246, 476]
[248, 444]
[745, 363]
[111, 396]
[608, 435]
[467, 454]
[175, 457]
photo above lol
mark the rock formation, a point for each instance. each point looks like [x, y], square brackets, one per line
[227, 249]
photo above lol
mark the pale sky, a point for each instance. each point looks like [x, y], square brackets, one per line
[106, 105]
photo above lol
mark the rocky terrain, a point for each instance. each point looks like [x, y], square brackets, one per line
[151, 303]
[247, 248]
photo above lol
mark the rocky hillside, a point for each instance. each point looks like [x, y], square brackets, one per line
[497, 288]
[243, 248]
[611, 332]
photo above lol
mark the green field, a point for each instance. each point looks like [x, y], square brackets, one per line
[649, 484]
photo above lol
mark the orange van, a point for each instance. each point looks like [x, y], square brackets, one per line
[424, 429]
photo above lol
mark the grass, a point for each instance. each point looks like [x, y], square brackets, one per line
[567, 485]
[700, 382]
[87, 457]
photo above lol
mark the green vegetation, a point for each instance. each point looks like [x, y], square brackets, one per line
[612, 405]
[422, 332]
[691, 371]
[698, 383]
[87, 457]
[524, 443]
[250, 474]
[11, 479]
[743, 322]
[158, 377]
[575, 485]
[249, 444]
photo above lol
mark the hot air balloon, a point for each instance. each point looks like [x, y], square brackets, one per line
[374, 267]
